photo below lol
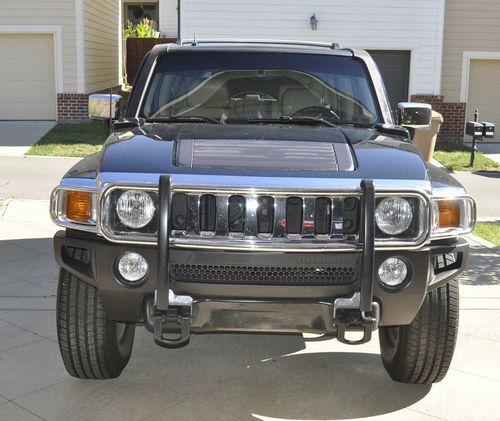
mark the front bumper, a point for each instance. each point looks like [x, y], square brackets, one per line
[247, 307]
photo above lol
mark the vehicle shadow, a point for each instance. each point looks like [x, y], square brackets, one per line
[248, 376]
[489, 174]
[258, 376]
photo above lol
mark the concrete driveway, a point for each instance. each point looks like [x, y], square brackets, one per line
[17, 137]
[227, 377]
[484, 187]
[31, 177]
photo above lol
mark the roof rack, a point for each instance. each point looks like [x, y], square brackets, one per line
[194, 42]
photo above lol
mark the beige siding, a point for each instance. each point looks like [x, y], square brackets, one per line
[469, 26]
[53, 12]
[101, 23]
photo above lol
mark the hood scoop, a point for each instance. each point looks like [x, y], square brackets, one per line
[287, 155]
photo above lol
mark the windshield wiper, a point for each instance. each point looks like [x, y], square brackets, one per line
[184, 119]
[300, 120]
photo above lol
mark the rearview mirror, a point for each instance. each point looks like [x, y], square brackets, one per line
[414, 114]
[104, 106]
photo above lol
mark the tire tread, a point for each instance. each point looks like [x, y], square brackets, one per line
[85, 333]
[425, 347]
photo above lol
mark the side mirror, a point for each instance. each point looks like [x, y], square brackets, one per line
[415, 115]
[105, 106]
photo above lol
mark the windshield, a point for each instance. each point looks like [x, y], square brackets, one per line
[242, 86]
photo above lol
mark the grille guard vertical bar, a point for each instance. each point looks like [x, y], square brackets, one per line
[367, 269]
[162, 289]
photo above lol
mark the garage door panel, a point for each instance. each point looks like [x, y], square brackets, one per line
[484, 91]
[394, 66]
[27, 77]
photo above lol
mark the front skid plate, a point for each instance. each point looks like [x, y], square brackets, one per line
[262, 316]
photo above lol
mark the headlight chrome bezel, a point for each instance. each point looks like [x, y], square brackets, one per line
[147, 234]
[421, 217]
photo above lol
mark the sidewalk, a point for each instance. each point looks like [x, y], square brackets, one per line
[223, 376]
[491, 150]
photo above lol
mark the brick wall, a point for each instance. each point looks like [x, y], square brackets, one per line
[452, 129]
[72, 108]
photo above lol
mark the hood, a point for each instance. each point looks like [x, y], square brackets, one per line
[261, 151]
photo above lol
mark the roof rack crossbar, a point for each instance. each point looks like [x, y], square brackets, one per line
[332, 45]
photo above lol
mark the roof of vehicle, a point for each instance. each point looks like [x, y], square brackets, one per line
[307, 47]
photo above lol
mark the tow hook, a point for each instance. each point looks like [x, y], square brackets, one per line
[348, 317]
[171, 327]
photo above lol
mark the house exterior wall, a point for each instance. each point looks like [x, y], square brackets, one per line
[33, 15]
[168, 17]
[471, 31]
[368, 24]
[101, 29]
[469, 26]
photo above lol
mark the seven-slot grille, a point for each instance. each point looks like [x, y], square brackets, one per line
[265, 217]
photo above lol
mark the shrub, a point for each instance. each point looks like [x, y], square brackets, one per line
[144, 29]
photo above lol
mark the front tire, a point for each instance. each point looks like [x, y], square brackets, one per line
[92, 345]
[421, 352]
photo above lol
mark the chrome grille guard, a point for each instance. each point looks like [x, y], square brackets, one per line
[359, 312]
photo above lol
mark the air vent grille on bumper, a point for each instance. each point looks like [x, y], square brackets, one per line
[265, 275]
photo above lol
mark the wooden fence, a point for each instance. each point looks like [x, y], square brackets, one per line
[135, 50]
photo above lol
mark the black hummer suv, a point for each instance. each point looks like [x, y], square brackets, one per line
[259, 187]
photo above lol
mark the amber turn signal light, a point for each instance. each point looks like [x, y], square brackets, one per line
[78, 206]
[449, 214]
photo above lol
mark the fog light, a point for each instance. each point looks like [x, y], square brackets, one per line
[393, 271]
[132, 267]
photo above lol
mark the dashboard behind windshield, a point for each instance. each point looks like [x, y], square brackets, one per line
[234, 86]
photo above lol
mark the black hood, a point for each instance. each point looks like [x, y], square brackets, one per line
[260, 150]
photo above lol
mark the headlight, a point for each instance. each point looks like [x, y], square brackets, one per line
[454, 216]
[393, 215]
[135, 208]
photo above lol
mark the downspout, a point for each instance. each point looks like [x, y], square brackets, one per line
[178, 20]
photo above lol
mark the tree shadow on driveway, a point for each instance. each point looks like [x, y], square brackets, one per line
[483, 267]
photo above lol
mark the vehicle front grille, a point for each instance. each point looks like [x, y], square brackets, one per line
[265, 275]
[260, 219]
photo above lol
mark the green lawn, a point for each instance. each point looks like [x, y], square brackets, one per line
[77, 140]
[490, 231]
[457, 158]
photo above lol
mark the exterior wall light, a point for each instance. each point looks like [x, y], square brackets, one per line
[314, 22]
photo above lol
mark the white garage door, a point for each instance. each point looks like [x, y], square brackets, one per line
[27, 77]
[484, 92]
